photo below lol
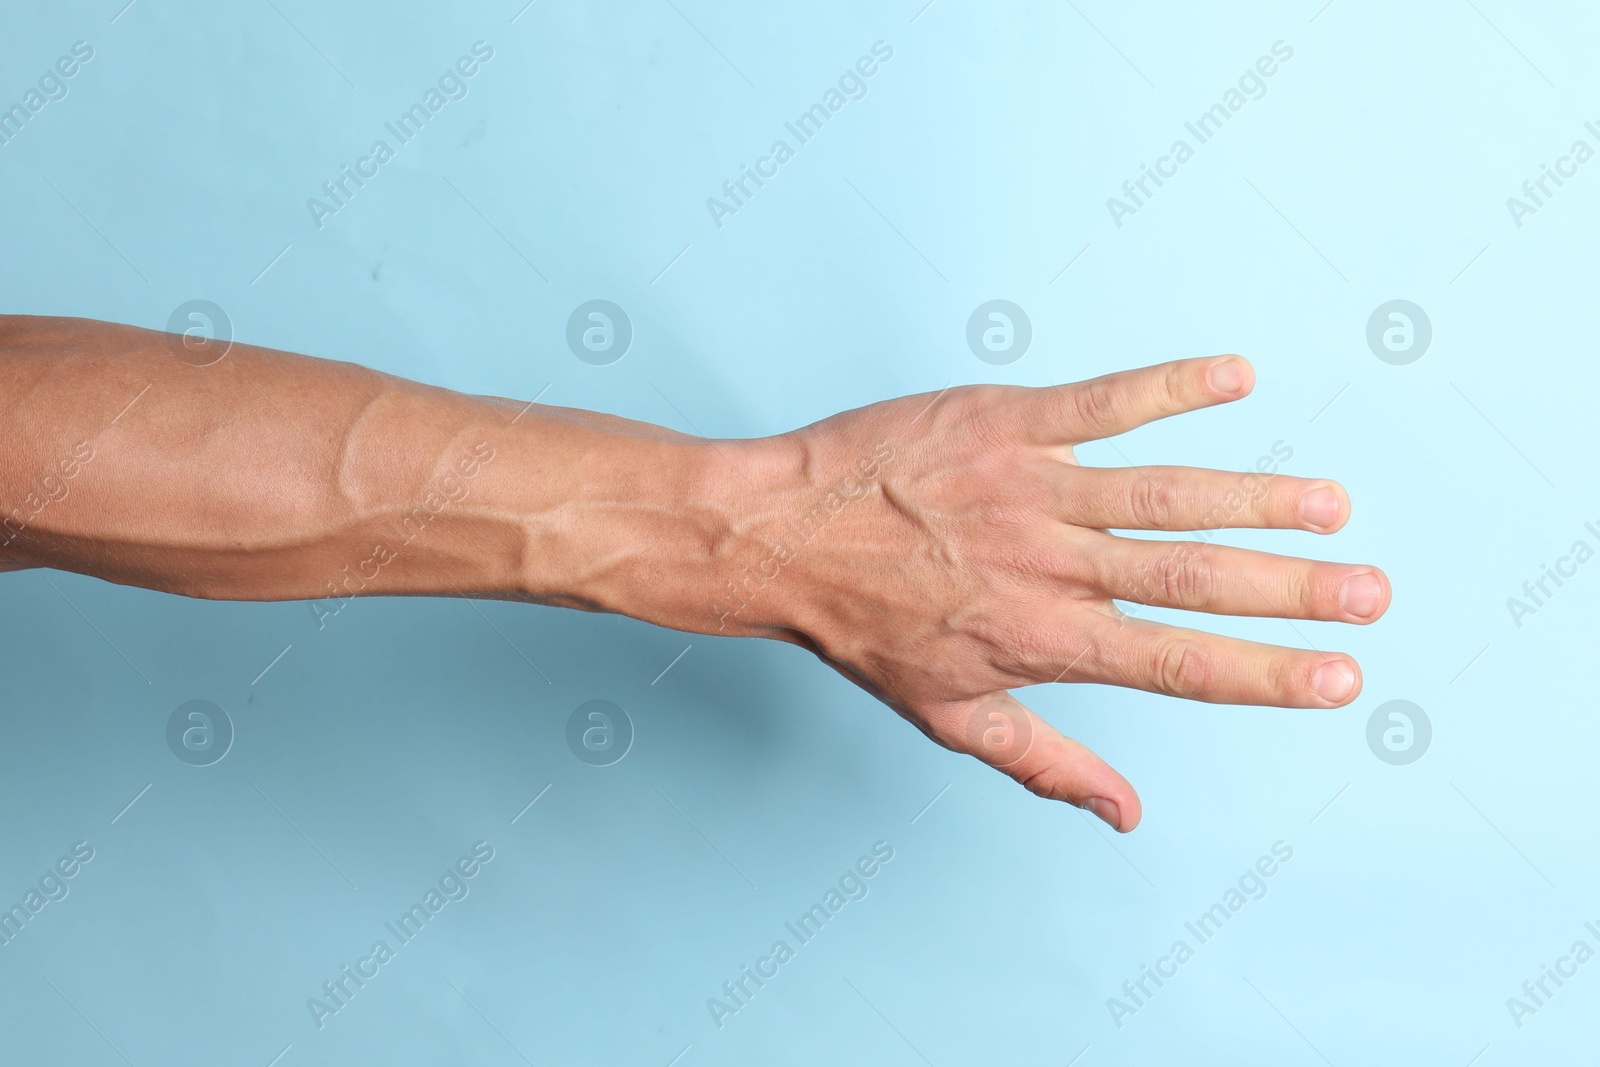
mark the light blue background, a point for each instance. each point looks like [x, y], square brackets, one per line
[1376, 167]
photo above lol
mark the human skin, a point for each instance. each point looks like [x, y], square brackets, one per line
[938, 550]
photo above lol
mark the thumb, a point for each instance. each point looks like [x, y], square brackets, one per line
[1009, 737]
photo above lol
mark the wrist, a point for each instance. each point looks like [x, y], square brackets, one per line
[636, 520]
[790, 531]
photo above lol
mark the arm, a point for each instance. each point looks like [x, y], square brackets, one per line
[937, 550]
[270, 476]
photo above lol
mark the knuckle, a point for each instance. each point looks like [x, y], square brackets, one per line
[1050, 782]
[1018, 651]
[1177, 384]
[1287, 676]
[1186, 578]
[1150, 503]
[1276, 503]
[1181, 667]
[970, 408]
[959, 409]
[1094, 404]
[1306, 595]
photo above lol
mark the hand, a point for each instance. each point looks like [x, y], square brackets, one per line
[964, 552]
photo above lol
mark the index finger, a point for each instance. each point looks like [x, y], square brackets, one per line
[1116, 403]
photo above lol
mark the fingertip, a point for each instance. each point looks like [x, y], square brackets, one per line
[1325, 508]
[1132, 812]
[1355, 690]
[1337, 681]
[1365, 596]
[1120, 813]
[1230, 377]
[1106, 810]
[1388, 595]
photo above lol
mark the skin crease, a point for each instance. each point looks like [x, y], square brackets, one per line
[937, 550]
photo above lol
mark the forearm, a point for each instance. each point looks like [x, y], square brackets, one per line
[269, 476]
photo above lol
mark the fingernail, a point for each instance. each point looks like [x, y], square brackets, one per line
[1334, 681]
[1104, 810]
[1226, 377]
[1361, 595]
[1320, 507]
